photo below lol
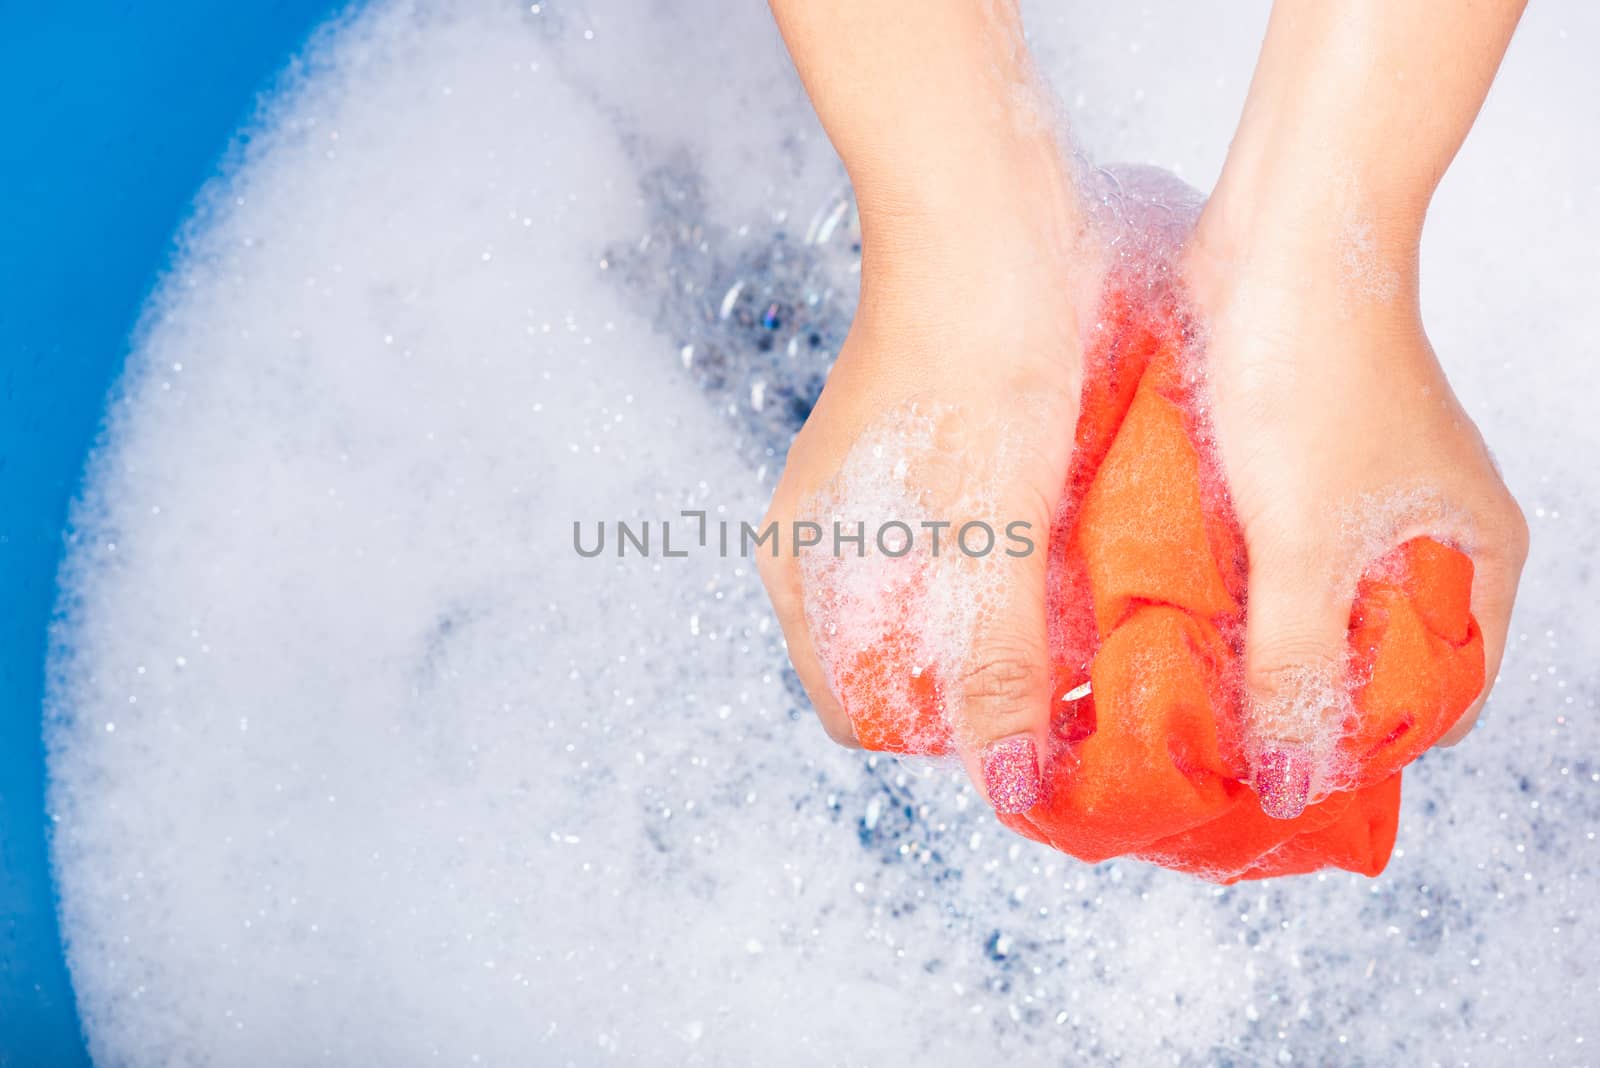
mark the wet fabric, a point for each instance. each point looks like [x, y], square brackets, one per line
[1146, 607]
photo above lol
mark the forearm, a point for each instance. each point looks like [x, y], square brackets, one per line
[1355, 111]
[939, 119]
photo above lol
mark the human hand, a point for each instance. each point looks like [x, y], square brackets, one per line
[953, 400]
[1340, 438]
[1337, 430]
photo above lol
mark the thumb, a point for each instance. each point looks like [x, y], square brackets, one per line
[1296, 624]
[1003, 718]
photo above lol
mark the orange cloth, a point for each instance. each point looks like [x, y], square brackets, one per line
[1147, 575]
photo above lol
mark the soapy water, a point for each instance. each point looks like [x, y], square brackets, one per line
[893, 616]
[893, 624]
[789, 301]
[353, 760]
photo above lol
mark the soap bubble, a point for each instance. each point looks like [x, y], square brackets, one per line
[496, 801]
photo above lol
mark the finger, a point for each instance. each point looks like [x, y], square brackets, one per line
[1003, 718]
[781, 576]
[1496, 573]
[1296, 622]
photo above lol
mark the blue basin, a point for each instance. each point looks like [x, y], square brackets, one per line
[114, 113]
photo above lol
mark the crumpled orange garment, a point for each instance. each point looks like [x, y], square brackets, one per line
[1147, 583]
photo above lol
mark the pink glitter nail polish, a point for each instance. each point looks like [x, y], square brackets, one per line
[1283, 783]
[1011, 774]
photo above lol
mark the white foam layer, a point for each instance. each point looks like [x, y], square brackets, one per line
[354, 761]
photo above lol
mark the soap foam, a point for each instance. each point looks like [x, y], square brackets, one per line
[931, 470]
[405, 782]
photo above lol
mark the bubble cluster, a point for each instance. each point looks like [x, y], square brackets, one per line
[757, 317]
[396, 778]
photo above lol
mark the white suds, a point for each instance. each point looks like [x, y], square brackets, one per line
[497, 804]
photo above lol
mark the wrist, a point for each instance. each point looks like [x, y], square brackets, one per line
[1311, 228]
[992, 216]
[1000, 274]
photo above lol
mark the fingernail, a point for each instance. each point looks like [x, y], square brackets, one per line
[1283, 783]
[1011, 774]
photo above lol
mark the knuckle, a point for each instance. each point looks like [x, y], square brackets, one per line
[1288, 538]
[1504, 536]
[1035, 505]
[1518, 535]
[839, 731]
[1302, 537]
[1290, 661]
[1463, 726]
[1001, 682]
